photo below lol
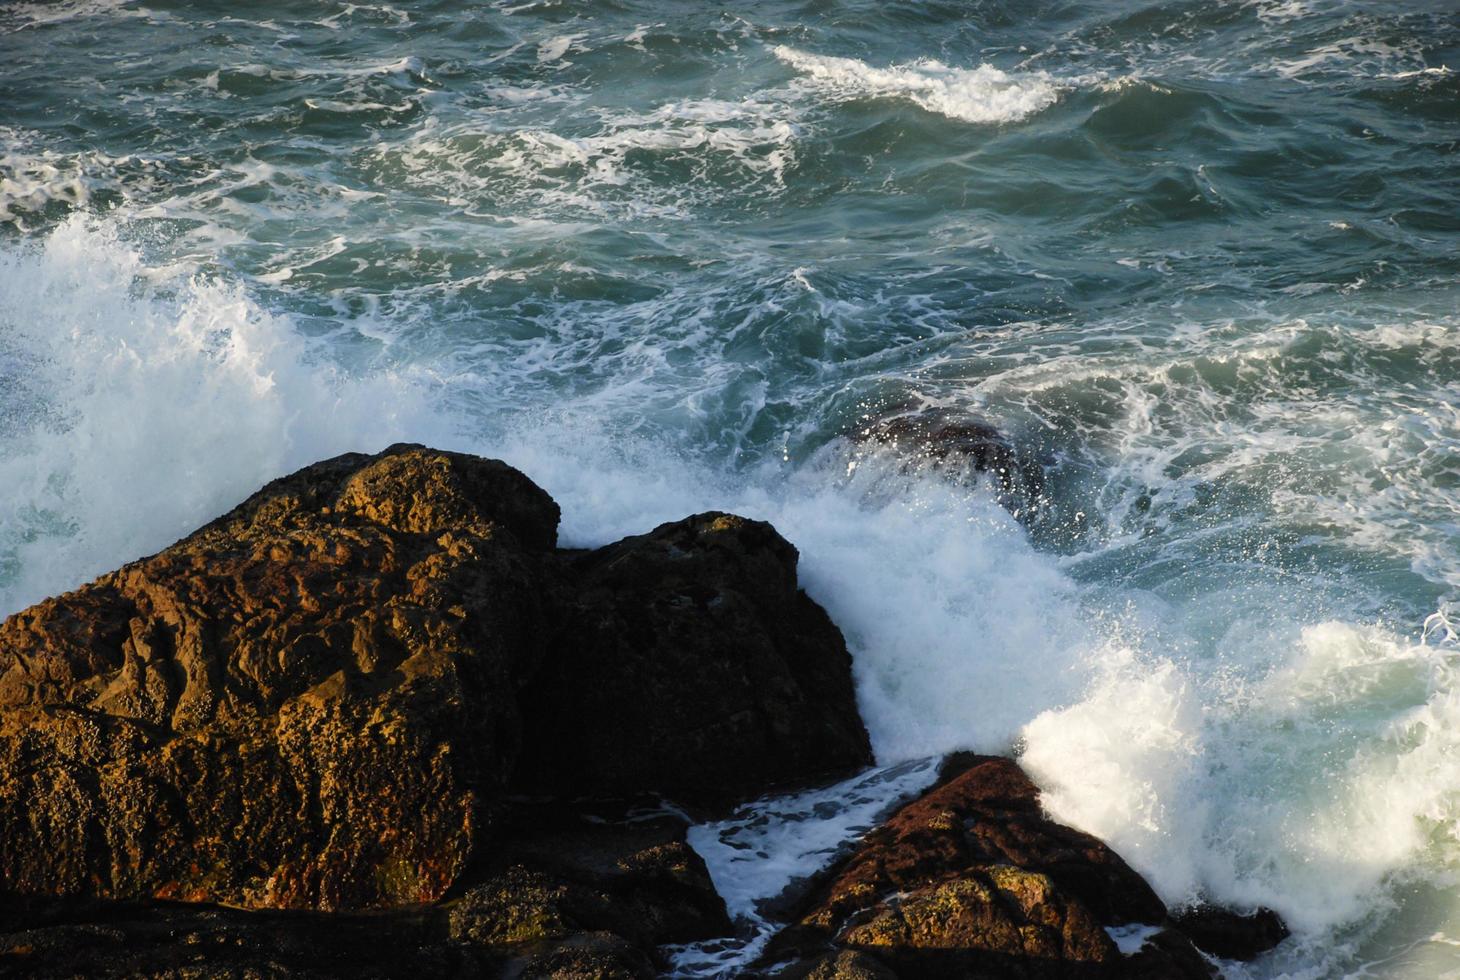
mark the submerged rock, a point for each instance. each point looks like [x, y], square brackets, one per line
[1232, 935]
[954, 443]
[319, 700]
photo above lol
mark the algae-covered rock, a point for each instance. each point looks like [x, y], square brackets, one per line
[1000, 920]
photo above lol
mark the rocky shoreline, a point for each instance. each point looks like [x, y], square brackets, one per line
[374, 722]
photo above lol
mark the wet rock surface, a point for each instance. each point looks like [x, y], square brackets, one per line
[974, 880]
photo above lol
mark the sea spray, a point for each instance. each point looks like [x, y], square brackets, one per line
[150, 404]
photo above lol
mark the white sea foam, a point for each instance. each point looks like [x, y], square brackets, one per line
[33, 15]
[610, 170]
[984, 94]
[145, 410]
[33, 178]
[1307, 769]
[29, 185]
[1311, 789]
[1281, 11]
[556, 48]
[1360, 55]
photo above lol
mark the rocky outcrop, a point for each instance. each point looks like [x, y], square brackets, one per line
[559, 873]
[960, 446]
[973, 879]
[319, 700]
[305, 704]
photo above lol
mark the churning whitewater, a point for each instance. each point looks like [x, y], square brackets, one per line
[1198, 260]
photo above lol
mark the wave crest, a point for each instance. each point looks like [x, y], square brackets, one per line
[978, 95]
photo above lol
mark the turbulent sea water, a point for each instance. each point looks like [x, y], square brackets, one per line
[1200, 258]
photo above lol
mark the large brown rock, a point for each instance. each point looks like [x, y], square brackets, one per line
[974, 880]
[306, 703]
[317, 701]
[693, 666]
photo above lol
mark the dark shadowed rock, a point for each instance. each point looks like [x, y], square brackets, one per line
[52, 938]
[1232, 935]
[846, 964]
[556, 872]
[566, 894]
[692, 665]
[588, 956]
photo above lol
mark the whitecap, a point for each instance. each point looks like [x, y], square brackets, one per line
[984, 94]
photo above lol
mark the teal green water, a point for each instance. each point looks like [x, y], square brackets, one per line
[1202, 260]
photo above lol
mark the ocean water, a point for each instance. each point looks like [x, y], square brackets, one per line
[1200, 259]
